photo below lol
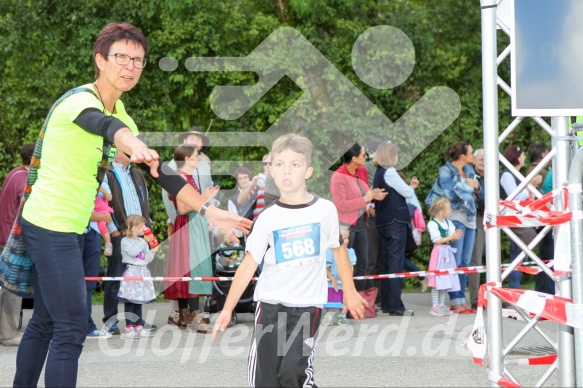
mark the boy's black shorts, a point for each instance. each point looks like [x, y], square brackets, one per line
[282, 349]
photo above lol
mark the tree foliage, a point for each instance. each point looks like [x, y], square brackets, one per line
[46, 49]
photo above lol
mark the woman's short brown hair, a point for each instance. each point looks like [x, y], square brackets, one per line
[243, 171]
[386, 155]
[512, 153]
[114, 32]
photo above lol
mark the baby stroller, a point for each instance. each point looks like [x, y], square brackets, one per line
[225, 263]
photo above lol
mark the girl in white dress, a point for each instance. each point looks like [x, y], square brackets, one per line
[136, 254]
[442, 232]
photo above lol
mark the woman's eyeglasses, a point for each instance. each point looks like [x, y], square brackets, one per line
[124, 59]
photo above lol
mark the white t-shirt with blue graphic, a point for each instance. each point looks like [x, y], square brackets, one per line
[292, 241]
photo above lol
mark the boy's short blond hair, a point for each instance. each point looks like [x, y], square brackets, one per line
[296, 143]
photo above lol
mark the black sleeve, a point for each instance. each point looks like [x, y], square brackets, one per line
[96, 122]
[167, 178]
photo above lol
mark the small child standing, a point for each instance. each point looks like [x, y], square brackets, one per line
[335, 315]
[442, 232]
[137, 254]
[102, 207]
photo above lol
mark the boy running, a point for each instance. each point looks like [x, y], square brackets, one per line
[291, 238]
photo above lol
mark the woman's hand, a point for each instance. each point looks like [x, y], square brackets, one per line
[473, 183]
[379, 194]
[368, 197]
[138, 151]
[228, 221]
[414, 183]
[537, 180]
[210, 192]
[150, 157]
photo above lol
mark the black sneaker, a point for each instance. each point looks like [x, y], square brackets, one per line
[401, 313]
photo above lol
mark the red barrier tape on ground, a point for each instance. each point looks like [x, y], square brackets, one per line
[542, 360]
[504, 382]
[538, 304]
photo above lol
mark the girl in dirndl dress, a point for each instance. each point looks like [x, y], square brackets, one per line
[442, 232]
[136, 254]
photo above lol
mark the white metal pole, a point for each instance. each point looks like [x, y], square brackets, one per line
[565, 354]
[491, 181]
[576, 206]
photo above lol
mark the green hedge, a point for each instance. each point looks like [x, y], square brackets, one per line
[46, 48]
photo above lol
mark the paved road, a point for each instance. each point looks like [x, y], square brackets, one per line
[384, 351]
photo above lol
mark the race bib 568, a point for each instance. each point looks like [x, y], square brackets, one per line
[298, 245]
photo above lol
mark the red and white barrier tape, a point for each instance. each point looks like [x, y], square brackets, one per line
[530, 213]
[461, 270]
[502, 381]
[551, 307]
[507, 383]
[542, 360]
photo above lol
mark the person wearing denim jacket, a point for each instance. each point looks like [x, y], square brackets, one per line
[456, 178]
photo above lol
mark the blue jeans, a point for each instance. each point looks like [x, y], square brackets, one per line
[59, 318]
[463, 255]
[91, 262]
[412, 267]
[393, 238]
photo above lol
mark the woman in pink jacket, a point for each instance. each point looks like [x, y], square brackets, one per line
[352, 197]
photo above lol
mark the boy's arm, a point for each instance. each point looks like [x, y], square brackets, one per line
[352, 299]
[242, 278]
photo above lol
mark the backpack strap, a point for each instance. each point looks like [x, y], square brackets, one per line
[36, 156]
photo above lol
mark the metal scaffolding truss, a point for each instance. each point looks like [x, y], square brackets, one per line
[560, 156]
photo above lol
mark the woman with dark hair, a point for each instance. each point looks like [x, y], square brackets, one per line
[190, 252]
[69, 162]
[508, 183]
[457, 180]
[352, 196]
[393, 220]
